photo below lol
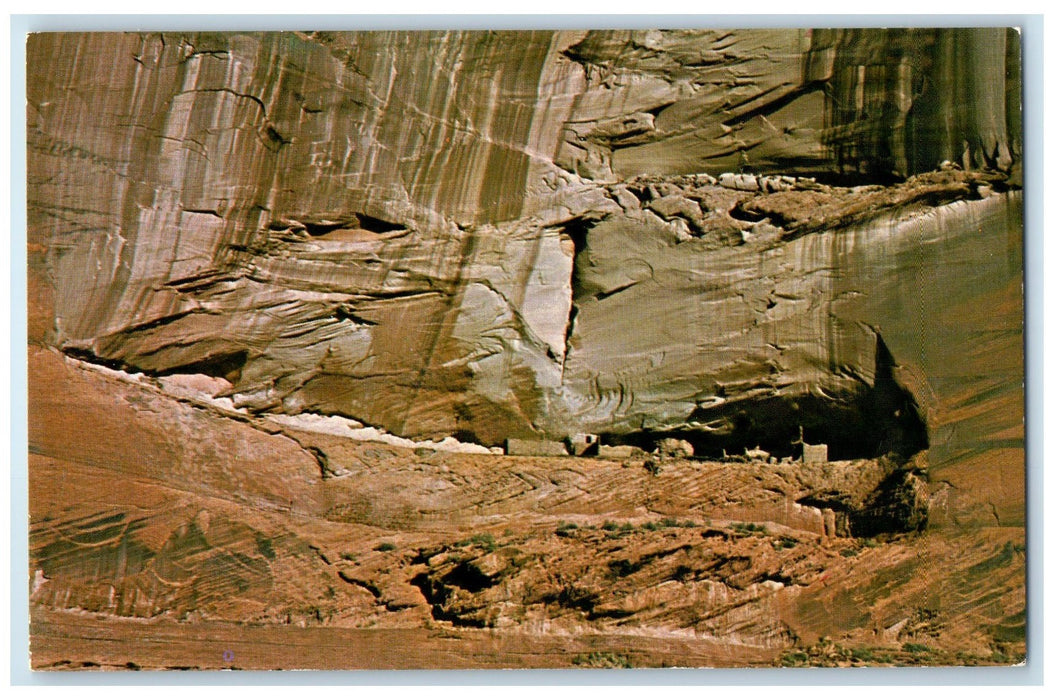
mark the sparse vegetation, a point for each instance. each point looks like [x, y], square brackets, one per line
[601, 659]
[566, 529]
[862, 654]
[794, 658]
[348, 556]
[915, 648]
[385, 547]
[749, 529]
[827, 653]
[483, 539]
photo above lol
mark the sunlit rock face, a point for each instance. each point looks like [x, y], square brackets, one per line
[755, 339]
[484, 234]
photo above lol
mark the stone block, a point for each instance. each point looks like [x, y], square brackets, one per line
[674, 448]
[619, 451]
[583, 444]
[535, 448]
[814, 454]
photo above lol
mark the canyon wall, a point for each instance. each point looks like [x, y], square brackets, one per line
[742, 238]
[508, 234]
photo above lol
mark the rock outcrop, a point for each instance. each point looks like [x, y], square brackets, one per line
[512, 235]
[211, 534]
[259, 264]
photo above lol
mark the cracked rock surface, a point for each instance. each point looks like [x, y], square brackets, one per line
[742, 239]
[497, 235]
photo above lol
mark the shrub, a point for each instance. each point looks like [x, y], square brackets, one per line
[484, 540]
[384, 547]
[794, 658]
[601, 659]
[914, 648]
[565, 529]
[862, 654]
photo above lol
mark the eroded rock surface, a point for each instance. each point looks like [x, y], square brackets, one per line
[710, 242]
[217, 534]
[496, 235]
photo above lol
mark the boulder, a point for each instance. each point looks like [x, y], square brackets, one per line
[672, 448]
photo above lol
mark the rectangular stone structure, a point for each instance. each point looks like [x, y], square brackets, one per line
[582, 444]
[535, 448]
[814, 454]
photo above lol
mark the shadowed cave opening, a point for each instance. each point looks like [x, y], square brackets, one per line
[227, 365]
[317, 228]
[872, 421]
[883, 419]
[359, 221]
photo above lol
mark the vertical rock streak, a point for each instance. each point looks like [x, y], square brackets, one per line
[210, 196]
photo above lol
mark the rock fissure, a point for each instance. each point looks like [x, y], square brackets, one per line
[731, 265]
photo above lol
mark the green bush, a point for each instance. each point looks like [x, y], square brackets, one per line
[794, 658]
[601, 659]
[384, 547]
[913, 648]
[862, 654]
[565, 529]
[484, 540]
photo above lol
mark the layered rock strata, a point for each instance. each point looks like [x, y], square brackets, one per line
[231, 532]
[702, 241]
[509, 235]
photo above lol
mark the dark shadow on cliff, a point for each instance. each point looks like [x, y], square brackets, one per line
[878, 420]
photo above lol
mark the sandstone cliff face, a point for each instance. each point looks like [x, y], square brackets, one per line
[498, 235]
[720, 236]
